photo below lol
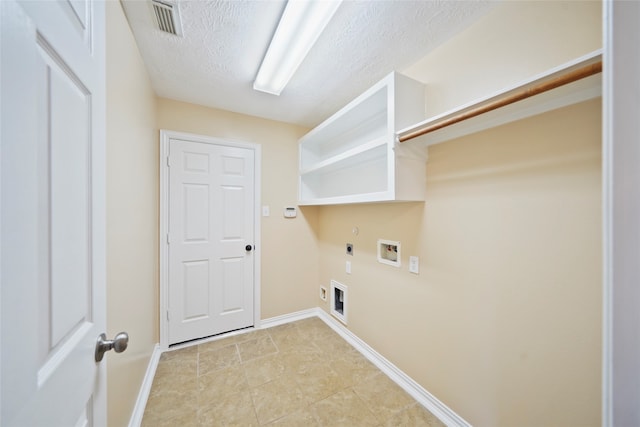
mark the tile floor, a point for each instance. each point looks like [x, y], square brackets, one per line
[298, 374]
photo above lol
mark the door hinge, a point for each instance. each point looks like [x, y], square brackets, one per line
[168, 239]
[167, 315]
[168, 161]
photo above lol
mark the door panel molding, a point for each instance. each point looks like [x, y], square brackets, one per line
[53, 212]
[165, 137]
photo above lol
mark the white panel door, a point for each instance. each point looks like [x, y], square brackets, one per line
[52, 223]
[211, 239]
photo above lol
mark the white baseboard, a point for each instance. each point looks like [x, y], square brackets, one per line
[426, 399]
[287, 318]
[266, 323]
[145, 388]
[415, 390]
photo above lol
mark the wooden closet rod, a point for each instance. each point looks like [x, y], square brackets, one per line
[543, 86]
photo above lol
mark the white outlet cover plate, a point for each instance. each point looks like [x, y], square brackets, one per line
[414, 264]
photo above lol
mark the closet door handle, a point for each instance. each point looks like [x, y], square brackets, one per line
[248, 248]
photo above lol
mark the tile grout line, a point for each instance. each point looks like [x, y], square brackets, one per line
[253, 403]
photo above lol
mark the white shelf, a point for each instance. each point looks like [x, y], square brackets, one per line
[578, 91]
[342, 159]
[352, 156]
[353, 177]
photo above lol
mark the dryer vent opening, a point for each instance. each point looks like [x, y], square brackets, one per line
[339, 301]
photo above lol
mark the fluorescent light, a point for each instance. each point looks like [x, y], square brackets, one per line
[301, 24]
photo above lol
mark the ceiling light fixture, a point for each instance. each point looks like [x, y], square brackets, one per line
[301, 24]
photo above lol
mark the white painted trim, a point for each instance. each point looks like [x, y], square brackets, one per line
[257, 231]
[165, 137]
[426, 399]
[621, 214]
[607, 216]
[288, 318]
[163, 246]
[145, 388]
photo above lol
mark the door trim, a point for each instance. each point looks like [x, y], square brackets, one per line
[165, 137]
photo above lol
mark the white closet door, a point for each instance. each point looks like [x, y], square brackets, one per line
[211, 239]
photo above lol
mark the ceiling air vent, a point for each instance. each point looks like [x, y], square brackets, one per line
[167, 16]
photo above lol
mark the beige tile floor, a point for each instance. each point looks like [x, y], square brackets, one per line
[298, 374]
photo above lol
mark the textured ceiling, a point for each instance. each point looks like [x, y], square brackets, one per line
[215, 62]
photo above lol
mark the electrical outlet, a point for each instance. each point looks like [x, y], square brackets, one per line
[349, 248]
[323, 293]
[414, 264]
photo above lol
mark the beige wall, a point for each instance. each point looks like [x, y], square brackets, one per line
[513, 42]
[132, 216]
[134, 116]
[289, 253]
[503, 323]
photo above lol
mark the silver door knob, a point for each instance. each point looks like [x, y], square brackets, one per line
[118, 344]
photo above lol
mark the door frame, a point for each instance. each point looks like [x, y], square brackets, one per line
[620, 207]
[165, 138]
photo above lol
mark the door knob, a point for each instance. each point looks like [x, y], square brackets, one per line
[118, 344]
[248, 248]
